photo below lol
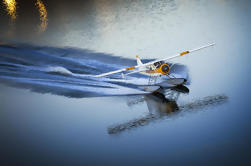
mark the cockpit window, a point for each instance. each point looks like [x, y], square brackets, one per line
[158, 64]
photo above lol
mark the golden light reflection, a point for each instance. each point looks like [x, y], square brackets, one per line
[43, 15]
[11, 8]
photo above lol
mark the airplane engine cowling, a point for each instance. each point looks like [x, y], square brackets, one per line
[164, 69]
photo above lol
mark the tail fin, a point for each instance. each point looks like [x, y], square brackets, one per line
[138, 61]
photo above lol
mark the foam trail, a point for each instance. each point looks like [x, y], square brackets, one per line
[58, 69]
[69, 71]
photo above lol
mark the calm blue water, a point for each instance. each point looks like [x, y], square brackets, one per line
[52, 112]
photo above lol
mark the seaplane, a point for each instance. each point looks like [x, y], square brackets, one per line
[155, 69]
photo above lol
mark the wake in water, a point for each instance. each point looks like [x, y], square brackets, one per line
[69, 71]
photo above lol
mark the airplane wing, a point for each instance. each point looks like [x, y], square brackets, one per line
[137, 71]
[152, 62]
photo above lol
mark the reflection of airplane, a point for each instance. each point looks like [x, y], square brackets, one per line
[154, 68]
[163, 105]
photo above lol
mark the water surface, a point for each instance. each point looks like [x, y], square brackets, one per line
[53, 113]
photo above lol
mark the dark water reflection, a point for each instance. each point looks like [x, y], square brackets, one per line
[162, 105]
